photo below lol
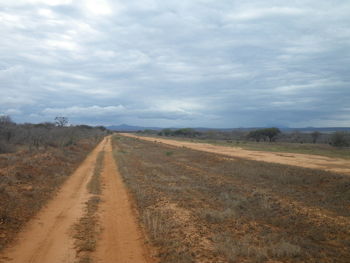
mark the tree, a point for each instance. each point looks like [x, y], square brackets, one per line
[315, 135]
[5, 120]
[61, 121]
[6, 128]
[186, 132]
[271, 133]
[256, 135]
[338, 139]
[262, 134]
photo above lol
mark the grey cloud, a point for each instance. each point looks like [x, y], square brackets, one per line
[195, 63]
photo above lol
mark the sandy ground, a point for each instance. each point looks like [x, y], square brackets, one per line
[302, 160]
[48, 237]
[121, 239]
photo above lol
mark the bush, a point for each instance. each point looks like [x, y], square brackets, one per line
[6, 148]
[339, 139]
[44, 135]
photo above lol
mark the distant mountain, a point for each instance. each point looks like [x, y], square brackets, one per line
[130, 128]
[319, 129]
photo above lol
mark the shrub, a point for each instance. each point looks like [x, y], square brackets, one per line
[6, 148]
[339, 139]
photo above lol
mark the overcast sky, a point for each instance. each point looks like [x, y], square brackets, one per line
[176, 63]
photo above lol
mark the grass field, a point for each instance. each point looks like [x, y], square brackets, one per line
[202, 207]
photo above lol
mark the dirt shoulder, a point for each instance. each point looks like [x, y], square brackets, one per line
[302, 160]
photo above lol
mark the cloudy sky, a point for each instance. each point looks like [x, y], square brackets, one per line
[176, 63]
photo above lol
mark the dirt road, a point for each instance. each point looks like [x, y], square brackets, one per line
[48, 237]
[302, 160]
[121, 240]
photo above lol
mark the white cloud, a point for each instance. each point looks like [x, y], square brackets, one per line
[258, 13]
[12, 112]
[84, 111]
[13, 101]
[35, 2]
[62, 44]
[46, 12]
[101, 7]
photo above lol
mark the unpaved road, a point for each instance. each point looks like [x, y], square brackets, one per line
[48, 237]
[121, 241]
[302, 160]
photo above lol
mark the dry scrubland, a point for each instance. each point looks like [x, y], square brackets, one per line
[41, 159]
[202, 207]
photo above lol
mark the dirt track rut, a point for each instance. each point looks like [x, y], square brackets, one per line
[302, 160]
[48, 237]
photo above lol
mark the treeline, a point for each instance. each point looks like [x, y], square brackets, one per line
[15, 136]
[337, 139]
[186, 132]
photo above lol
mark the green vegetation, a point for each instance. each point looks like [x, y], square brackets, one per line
[264, 134]
[186, 132]
[169, 153]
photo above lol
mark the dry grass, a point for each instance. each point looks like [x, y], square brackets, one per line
[202, 207]
[87, 230]
[94, 186]
[284, 147]
[28, 179]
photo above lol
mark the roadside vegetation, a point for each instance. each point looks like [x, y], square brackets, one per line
[35, 159]
[87, 229]
[336, 144]
[202, 207]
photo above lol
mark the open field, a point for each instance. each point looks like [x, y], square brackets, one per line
[283, 147]
[204, 207]
[180, 206]
[339, 165]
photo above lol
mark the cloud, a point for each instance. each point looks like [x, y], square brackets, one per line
[35, 2]
[100, 7]
[12, 112]
[187, 63]
[259, 13]
[84, 111]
